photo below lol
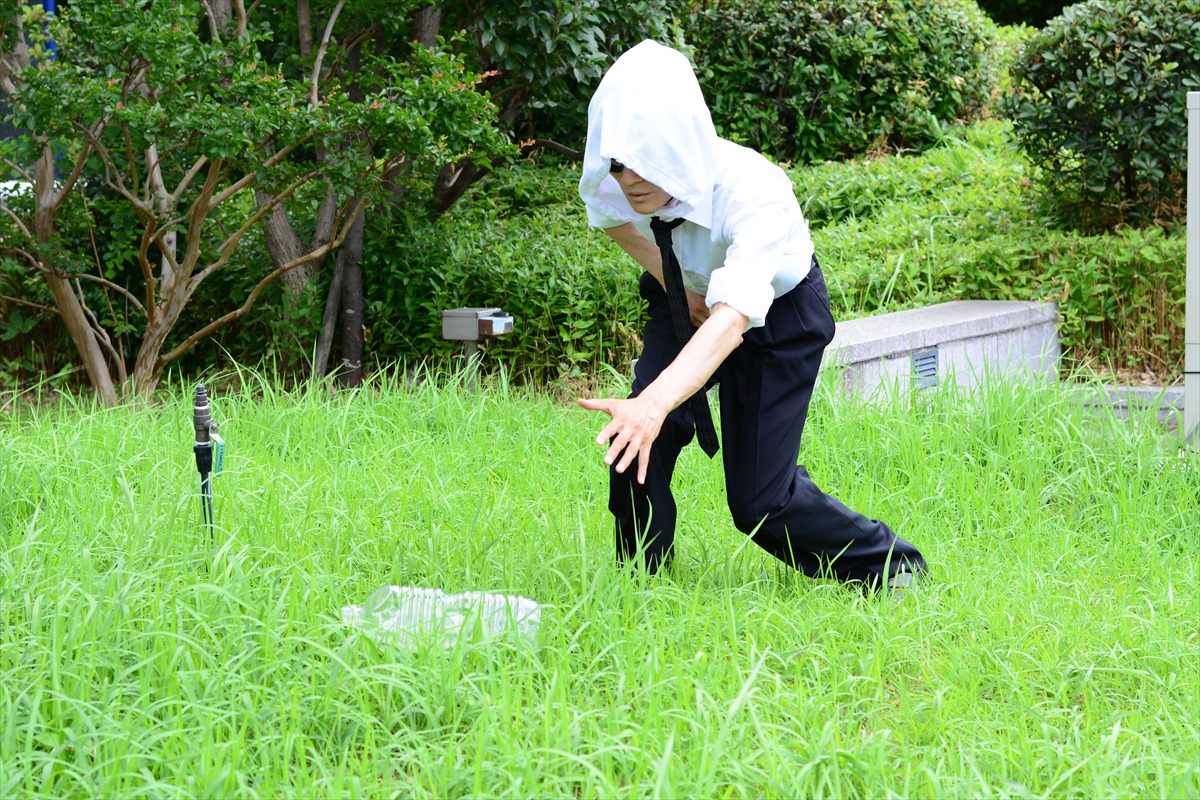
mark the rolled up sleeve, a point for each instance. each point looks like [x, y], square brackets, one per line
[758, 242]
[598, 218]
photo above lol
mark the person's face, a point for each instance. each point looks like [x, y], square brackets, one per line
[643, 196]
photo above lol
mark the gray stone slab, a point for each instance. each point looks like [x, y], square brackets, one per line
[902, 331]
[973, 341]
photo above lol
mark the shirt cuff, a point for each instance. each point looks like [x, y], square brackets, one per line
[754, 301]
[598, 219]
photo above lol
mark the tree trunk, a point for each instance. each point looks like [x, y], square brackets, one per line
[350, 258]
[69, 307]
[71, 311]
[220, 14]
[304, 24]
[353, 333]
[427, 23]
[333, 304]
[284, 245]
[452, 183]
[147, 370]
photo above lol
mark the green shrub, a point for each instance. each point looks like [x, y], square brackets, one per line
[895, 232]
[520, 243]
[553, 54]
[806, 82]
[1099, 109]
[1120, 297]
[957, 223]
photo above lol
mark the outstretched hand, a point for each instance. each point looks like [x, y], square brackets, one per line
[631, 431]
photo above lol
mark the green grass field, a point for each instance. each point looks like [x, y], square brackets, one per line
[1054, 652]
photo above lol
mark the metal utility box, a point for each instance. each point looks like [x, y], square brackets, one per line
[472, 324]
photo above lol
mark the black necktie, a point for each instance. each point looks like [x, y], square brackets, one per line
[706, 434]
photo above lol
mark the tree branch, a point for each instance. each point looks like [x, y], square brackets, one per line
[17, 221]
[131, 161]
[197, 214]
[159, 199]
[148, 271]
[19, 59]
[354, 40]
[38, 306]
[315, 96]
[37, 266]
[226, 248]
[242, 310]
[96, 279]
[250, 177]
[112, 176]
[17, 169]
[101, 335]
[69, 184]
[550, 144]
[187, 179]
[239, 13]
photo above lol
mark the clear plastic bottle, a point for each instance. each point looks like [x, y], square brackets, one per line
[406, 615]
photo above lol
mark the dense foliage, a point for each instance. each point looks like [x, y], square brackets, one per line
[176, 116]
[892, 233]
[957, 223]
[521, 242]
[807, 82]
[549, 56]
[1099, 108]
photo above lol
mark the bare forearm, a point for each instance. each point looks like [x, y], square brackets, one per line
[635, 422]
[705, 351]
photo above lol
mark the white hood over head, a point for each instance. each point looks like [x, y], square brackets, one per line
[649, 114]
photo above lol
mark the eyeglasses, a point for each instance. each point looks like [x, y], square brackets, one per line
[615, 166]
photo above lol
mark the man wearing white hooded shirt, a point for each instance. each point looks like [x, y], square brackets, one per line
[761, 308]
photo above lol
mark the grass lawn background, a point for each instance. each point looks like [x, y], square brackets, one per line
[1053, 653]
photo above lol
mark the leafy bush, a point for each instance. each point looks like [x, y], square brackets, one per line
[551, 55]
[807, 82]
[957, 223]
[1099, 109]
[522, 244]
[894, 232]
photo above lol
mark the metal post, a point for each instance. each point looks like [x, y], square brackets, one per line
[210, 455]
[472, 355]
[1191, 338]
[202, 423]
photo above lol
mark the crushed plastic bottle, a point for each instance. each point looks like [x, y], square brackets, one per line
[406, 615]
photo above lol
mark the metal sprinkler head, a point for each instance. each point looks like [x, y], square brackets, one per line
[201, 417]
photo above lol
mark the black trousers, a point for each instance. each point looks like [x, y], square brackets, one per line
[765, 387]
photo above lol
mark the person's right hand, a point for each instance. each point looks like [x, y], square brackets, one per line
[631, 432]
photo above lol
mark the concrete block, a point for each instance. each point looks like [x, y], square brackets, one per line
[975, 341]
